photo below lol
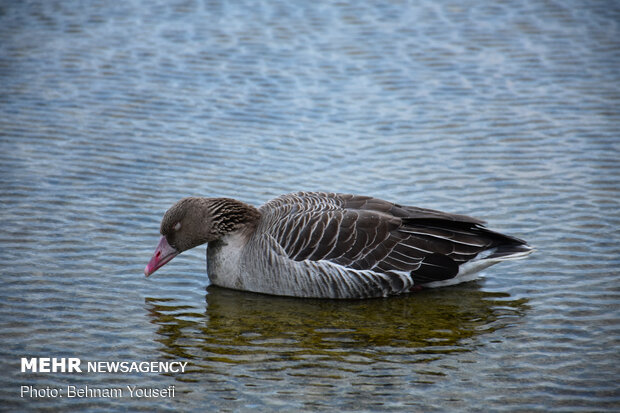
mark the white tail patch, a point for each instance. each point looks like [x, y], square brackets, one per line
[470, 270]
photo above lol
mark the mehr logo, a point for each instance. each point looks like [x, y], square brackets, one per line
[51, 365]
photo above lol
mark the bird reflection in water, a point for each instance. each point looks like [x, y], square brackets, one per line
[282, 333]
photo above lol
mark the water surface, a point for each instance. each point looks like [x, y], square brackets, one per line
[111, 111]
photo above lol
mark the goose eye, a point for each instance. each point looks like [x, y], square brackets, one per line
[177, 226]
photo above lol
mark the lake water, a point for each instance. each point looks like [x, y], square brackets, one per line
[508, 111]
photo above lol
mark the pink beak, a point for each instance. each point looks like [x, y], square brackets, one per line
[163, 253]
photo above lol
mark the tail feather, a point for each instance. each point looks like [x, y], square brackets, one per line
[470, 270]
[509, 252]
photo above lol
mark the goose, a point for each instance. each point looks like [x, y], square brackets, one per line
[331, 245]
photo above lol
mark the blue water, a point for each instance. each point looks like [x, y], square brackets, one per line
[507, 111]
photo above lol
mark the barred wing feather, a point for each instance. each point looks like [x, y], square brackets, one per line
[365, 233]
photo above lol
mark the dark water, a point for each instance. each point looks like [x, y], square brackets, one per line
[508, 111]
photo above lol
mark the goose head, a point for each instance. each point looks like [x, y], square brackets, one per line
[195, 221]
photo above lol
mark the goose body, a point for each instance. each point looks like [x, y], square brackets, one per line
[327, 245]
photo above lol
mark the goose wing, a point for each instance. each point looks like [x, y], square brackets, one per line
[365, 233]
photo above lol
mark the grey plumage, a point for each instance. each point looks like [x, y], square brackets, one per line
[313, 244]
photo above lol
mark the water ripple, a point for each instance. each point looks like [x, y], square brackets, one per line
[507, 111]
